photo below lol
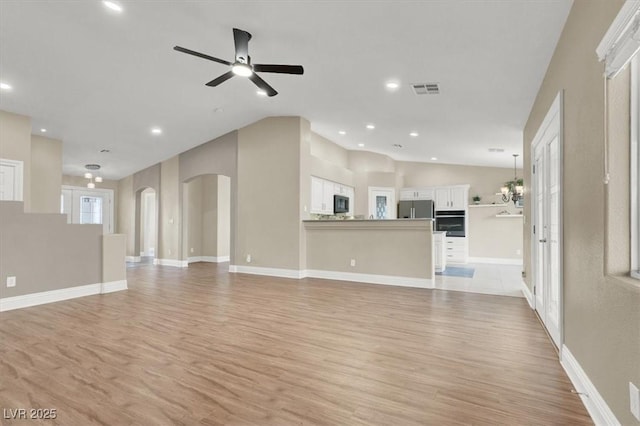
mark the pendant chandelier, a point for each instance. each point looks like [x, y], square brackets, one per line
[93, 179]
[513, 190]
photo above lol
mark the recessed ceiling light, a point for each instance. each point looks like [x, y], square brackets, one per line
[413, 134]
[397, 145]
[112, 5]
[261, 93]
[434, 158]
[360, 145]
[370, 126]
[392, 85]
[342, 132]
[156, 131]
[43, 130]
[5, 86]
[105, 150]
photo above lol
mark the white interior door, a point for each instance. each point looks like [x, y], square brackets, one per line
[382, 203]
[11, 172]
[547, 220]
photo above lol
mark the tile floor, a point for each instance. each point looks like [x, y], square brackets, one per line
[501, 280]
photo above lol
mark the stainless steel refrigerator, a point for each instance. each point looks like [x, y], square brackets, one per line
[417, 209]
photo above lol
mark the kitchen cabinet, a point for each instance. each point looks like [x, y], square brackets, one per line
[416, 194]
[351, 193]
[451, 197]
[439, 252]
[322, 192]
[456, 249]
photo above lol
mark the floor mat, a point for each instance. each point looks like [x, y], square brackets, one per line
[456, 271]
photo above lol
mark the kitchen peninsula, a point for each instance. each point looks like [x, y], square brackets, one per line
[394, 252]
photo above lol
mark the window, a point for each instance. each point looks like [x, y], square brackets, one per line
[91, 210]
[635, 167]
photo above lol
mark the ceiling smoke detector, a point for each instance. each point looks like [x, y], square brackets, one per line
[426, 88]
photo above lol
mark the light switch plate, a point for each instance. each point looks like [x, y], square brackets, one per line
[11, 281]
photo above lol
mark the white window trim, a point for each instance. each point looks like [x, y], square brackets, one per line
[635, 167]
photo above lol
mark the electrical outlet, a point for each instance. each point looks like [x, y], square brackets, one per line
[11, 281]
[518, 252]
[191, 249]
[353, 262]
[248, 258]
[169, 252]
[524, 274]
[634, 398]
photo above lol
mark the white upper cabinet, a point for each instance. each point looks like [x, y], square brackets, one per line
[452, 197]
[417, 194]
[444, 197]
[317, 195]
[322, 192]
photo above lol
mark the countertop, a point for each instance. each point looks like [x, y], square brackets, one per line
[368, 220]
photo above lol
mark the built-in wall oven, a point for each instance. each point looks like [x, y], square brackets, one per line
[451, 221]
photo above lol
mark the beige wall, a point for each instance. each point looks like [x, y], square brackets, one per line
[601, 315]
[46, 174]
[193, 218]
[126, 213]
[324, 149]
[223, 212]
[169, 226]
[82, 182]
[494, 237]
[484, 181]
[210, 215]
[66, 255]
[397, 248]
[113, 262]
[148, 222]
[365, 161]
[15, 144]
[269, 187]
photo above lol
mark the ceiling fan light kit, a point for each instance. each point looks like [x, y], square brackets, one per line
[242, 65]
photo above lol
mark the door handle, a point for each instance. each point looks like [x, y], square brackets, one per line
[544, 240]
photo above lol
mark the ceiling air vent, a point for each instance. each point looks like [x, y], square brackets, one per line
[496, 149]
[426, 88]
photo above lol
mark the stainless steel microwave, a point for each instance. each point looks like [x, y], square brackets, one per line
[340, 204]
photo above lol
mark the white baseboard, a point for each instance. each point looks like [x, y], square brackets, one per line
[598, 409]
[371, 278]
[210, 259]
[171, 262]
[44, 297]
[132, 258]
[495, 260]
[270, 272]
[111, 286]
[527, 294]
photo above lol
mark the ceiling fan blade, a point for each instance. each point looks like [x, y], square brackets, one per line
[262, 84]
[200, 55]
[224, 77]
[281, 69]
[241, 39]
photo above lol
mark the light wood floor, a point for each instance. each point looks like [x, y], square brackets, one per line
[200, 346]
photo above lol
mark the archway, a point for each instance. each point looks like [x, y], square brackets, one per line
[206, 213]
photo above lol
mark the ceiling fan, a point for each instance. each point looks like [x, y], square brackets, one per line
[242, 65]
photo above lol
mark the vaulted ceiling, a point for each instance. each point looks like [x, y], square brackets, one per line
[99, 79]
